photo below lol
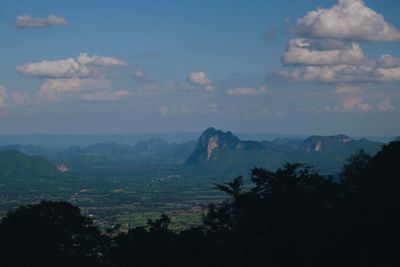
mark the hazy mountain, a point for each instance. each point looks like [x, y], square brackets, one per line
[82, 140]
[28, 149]
[112, 154]
[215, 149]
[66, 140]
[223, 150]
[212, 143]
[14, 164]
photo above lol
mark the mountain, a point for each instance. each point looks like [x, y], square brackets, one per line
[113, 155]
[223, 150]
[30, 150]
[323, 143]
[14, 164]
[212, 143]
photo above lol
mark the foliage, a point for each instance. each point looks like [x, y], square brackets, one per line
[49, 234]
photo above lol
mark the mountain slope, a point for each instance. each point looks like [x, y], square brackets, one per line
[213, 143]
[14, 164]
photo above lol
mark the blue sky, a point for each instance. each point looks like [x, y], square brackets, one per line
[296, 67]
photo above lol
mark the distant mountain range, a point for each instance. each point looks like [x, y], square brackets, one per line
[214, 150]
[327, 153]
[65, 140]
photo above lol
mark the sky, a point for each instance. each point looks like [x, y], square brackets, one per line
[293, 67]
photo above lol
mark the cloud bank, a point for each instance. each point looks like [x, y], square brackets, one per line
[328, 49]
[81, 67]
[246, 91]
[25, 21]
[347, 20]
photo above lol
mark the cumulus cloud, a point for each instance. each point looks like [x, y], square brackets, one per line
[105, 96]
[85, 59]
[25, 21]
[352, 103]
[328, 50]
[347, 20]
[343, 73]
[247, 91]
[388, 61]
[355, 103]
[316, 52]
[80, 67]
[52, 88]
[200, 78]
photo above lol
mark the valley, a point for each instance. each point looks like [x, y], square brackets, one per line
[125, 185]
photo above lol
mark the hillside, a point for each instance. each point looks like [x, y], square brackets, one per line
[14, 164]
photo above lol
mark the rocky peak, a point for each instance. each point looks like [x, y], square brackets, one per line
[320, 143]
[212, 141]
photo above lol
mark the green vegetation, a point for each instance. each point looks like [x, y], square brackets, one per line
[289, 217]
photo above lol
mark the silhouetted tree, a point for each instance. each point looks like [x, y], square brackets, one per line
[368, 218]
[287, 212]
[49, 234]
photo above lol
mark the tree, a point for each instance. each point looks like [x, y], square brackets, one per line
[287, 212]
[49, 234]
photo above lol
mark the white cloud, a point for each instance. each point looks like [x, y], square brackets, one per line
[51, 89]
[388, 61]
[385, 105]
[343, 73]
[60, 90]
[25, 21]
[105, 96]
[312, 52]
[348, 89]
[389, 74]
[328, 50]
[247, 91]
[200, 78]
[81, 67]
[3, 98]
[65, 68]
[352, 103]
[95, 60]
[347, 20]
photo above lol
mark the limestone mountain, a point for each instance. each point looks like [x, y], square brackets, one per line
[223, 150]
[213, 143]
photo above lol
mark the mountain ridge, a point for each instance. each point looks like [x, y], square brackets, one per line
[225, 150]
